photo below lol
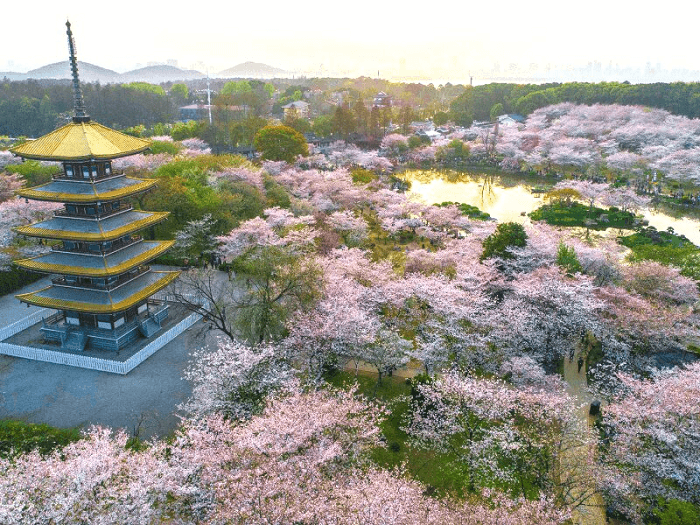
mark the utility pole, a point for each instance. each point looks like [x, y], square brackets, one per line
[208, 97]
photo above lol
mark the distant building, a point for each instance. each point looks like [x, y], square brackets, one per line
[381, 100]
[511, 119]
[297, 109]
[421, 125]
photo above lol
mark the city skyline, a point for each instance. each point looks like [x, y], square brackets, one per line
[450, 43]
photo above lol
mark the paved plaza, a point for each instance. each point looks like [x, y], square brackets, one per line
[144, 401]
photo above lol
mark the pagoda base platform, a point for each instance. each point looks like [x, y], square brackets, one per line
[27, 339]
[57, 331]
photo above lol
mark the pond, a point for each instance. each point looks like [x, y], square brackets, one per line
[509, 198]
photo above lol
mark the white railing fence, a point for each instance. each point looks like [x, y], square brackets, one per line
[82, 361]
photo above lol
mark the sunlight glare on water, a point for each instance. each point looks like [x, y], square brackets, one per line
[506, 197]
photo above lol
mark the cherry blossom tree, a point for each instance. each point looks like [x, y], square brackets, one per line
[235, 380]
[196, 239]
[651, 444]
[505, 434]
[100, 480]
[545, 313]
[9, 183]
[239, 174]
[18, 212]
[354, 229]
[660, 283]
[638, 328]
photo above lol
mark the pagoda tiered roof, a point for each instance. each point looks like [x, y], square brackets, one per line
[75, 191]
[85, 140]
[105, 229]
[99, 301]
[96, 265]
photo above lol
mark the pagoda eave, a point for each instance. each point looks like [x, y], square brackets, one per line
[80, 141]
[37, 193]
[41, 298]
[151, 219]
[79, 158]
[37, 264]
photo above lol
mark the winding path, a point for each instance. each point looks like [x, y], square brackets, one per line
[593, 511]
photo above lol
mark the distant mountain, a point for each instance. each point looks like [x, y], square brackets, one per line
[91, 73]
[88, 72]
[151, 74]
[252, 70]
[12, 75]
[158, 74]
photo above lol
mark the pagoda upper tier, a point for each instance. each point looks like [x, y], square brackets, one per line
[91, 190]
[110, 228]
[121, 257]
[84, 140]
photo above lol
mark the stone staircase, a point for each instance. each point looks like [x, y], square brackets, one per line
[148, 327]
[75, 340]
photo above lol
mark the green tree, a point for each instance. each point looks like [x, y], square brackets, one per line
[281, 282]
[236, 87]
[374, 124]
[361, 116]
[180, 93]
[462, 108]
[440, 118]
[532, 101]
[242, 132]
[302, 125]
[145, 87]
[406, 116]
[280, 143]
[323, 125]
[496, 111]
[343, 121]
[507, 234]
[186, 130]
[567, 259]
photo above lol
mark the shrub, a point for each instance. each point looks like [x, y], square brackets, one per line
[507, 234]
[17, 437]
[15, 278]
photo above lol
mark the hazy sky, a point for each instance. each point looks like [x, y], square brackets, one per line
[449, 38]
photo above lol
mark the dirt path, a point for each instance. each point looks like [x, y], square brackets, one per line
[593, 512]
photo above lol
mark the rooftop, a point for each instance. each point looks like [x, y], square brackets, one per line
[100, 301]
[87, 265]
[81, 141]
[87, 191]
[107, 229]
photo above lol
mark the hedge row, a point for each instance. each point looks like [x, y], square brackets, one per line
[15, 278]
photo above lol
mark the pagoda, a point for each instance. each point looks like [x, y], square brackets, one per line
[102, 285]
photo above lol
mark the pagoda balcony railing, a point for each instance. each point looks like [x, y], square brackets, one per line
[61, 281]
[79, 178]
[56, 322]
[94, 216]
[116, 245]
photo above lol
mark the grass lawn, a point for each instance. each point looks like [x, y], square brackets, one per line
[577, 214]
[17, 437]
[666, 248]
[440, 473]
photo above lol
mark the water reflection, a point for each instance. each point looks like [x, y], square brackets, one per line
[508, 198]
[504, 197]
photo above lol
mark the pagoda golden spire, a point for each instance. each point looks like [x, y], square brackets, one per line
[79, 103]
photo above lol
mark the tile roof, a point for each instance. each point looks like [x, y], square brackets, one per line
[80, 192]
[96, 265]
[107, 229]
[100, 301]
[81, 141]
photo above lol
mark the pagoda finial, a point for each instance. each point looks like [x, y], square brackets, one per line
[79, 105]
